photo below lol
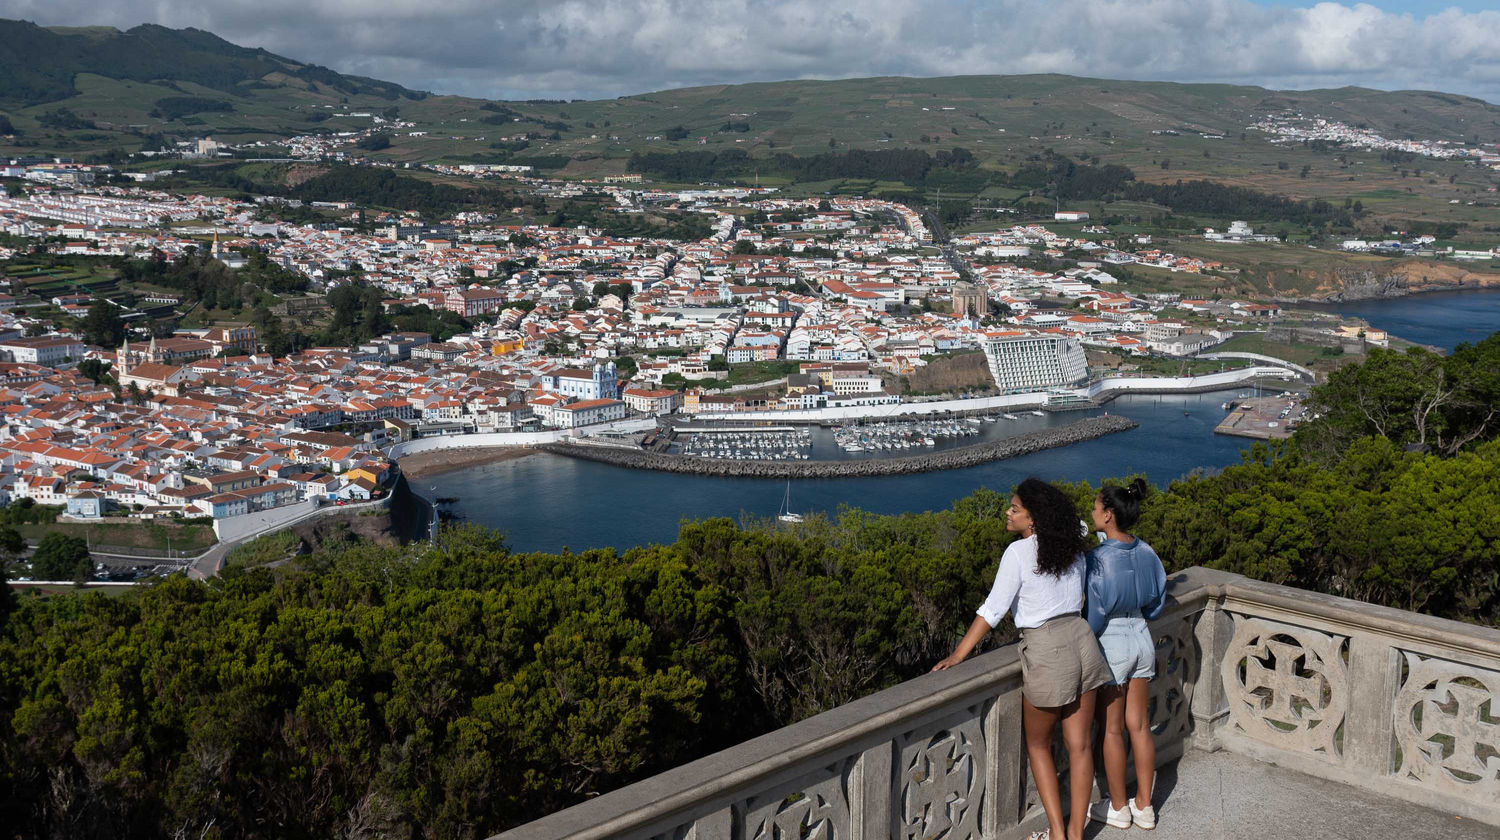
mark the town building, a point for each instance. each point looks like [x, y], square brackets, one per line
[587, 413]
[600, 383]
[49, 350]
[969, 299]
[646, 401]
[471, 303]
[1022, 361]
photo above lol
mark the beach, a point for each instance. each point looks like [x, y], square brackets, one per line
[425, 464]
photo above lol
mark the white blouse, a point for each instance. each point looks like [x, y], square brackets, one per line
[1033, 596]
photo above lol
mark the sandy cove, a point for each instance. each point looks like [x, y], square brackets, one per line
[422, 465]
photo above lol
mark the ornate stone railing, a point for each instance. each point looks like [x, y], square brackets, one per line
[1398, 703]
[1402, 704]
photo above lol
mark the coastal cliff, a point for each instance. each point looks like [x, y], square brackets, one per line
[968, 456]
[1349, 284]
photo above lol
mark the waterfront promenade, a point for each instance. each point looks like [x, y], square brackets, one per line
[1101, 391]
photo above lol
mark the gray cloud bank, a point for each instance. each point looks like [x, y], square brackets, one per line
[519, 49]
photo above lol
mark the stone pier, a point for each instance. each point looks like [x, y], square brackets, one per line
[950, 459]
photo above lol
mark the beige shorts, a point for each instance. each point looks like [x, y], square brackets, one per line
[1061, 660]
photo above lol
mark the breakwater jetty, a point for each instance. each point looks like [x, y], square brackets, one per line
[951, 459]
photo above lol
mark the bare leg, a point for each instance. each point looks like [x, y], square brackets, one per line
[1141, 743]
[1077, 728]
[1039, 724]
[1111, 716]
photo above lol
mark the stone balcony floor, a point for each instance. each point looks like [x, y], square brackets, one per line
[1223, 796]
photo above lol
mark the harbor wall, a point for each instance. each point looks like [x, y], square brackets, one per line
[1101, 391]
[958, 458]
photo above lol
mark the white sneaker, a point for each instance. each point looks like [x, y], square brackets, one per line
[1103, 811]
[1144, 817]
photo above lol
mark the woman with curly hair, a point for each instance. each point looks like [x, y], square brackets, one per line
[1040, 580]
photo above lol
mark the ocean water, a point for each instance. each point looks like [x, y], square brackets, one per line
[1436, 319]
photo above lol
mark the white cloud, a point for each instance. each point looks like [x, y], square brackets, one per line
[601, 48]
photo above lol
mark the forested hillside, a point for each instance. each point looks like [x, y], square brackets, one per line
[39, 64]
[454, 689]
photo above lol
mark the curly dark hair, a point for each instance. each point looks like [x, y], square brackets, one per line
[1059, 536]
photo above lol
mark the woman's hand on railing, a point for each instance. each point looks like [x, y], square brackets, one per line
[948, 662]
[978, 629]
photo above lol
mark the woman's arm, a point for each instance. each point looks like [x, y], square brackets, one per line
[1095, 609]
[977, 631]
[1158, 577]
[1001, 598]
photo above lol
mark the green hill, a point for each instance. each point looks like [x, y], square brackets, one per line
[38, 65]
[98, 92]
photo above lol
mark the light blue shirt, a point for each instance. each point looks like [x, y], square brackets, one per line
[1122, 578]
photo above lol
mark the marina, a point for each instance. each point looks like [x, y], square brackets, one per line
[740, 444]
[892, 436]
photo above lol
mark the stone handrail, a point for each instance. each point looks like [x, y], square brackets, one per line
[1381, 699]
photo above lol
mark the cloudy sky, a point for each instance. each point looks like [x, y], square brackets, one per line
[518, 49]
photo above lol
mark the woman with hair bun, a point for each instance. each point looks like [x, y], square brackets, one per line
[1040, 580]
[1126, 587]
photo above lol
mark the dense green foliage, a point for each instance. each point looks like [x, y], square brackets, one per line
[1071, 180]
[175, 107]
[95, 370]
[1206, 198]
[594, 213]
[103, 326]
[64, 119]
[371, 187]
[373, 143]
[444, 696]
[60, 557]
[28, 512]
[912, 166]
[1407, 530]
[1415, 398]
[213, 284]
[1050, 174]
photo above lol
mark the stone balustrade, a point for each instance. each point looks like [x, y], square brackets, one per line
[1404, 705]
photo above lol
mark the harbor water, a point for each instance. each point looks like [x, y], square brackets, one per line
[545, 502]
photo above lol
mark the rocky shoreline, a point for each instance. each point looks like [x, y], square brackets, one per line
[1364, 284]
[952, 459]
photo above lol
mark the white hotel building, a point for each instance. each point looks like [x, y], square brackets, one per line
[1022, 361]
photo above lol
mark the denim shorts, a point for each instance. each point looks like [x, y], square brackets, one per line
[1128, 648]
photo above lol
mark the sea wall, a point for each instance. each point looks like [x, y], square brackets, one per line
[951, 459]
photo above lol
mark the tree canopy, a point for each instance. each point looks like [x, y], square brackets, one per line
[1414, 398]
[60, 557]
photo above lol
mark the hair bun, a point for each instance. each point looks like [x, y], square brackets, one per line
[1137, 488]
